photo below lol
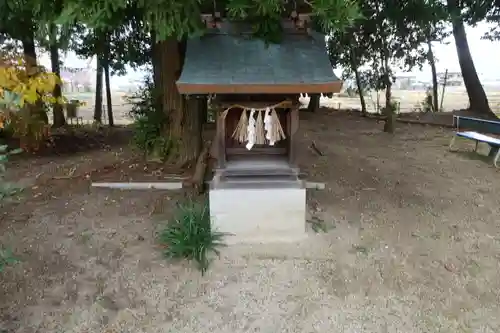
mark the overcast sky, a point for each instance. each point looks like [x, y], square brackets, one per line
[486, 57]
[486, 54]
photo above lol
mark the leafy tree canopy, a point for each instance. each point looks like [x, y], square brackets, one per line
[181, 18]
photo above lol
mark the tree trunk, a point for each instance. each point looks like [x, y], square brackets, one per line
[432, 63]
[477, 97]
[98, 91]
[389, 112]
[30, 59]
[30, 55]
[59, 120]
[108, 97]
[109, 102]
[354, 67]
[156, 61]
[313, 105]
[184, 119]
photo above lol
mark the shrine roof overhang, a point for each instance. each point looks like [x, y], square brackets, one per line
[237, 64]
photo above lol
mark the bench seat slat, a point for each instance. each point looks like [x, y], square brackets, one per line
[480, 137]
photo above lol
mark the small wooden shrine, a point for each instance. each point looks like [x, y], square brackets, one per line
[255, 87]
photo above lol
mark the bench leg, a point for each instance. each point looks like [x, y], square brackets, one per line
[475, 149]
[452, 142]
[495, 153]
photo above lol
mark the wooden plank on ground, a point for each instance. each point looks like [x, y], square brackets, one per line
[141, 186]
[315, 185]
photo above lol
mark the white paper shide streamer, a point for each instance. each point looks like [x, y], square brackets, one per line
[251, 134]
[262, 126]
[268, 126]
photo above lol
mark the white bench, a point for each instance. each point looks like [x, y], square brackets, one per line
[473, 129]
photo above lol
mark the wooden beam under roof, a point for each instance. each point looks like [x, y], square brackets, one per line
[269, 88]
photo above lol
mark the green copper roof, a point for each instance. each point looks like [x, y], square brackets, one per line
[221, 59]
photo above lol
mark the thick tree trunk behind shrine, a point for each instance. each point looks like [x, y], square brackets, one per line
[156, 61]
[184, 117]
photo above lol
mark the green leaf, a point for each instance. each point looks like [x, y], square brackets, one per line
[189, 236]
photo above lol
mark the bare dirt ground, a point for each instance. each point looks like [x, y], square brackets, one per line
[413, 245]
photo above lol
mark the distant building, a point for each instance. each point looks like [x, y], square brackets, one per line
[405, 82]
[78, 79]
[453, 79]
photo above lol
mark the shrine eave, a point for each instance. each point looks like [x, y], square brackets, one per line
[232, 63]
[269, 88]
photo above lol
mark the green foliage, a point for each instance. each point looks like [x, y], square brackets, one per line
[143, 100]
[6, 189]
[126, 42]
[6, 258]
[392, 107]
[149, 124]
[427, 104]
[189, 236]
[147, 137]
[388, 33]
[493, 18]
[181, 18]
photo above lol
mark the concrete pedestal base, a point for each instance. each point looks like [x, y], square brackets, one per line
[260, 213]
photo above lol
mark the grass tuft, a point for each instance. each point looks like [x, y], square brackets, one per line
[189, 236]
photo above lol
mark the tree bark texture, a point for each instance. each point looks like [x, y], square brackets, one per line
[184, 116]
[98, 91]
[30, 54]
[354, 67]
[432, 63]
[109, 102]
[389, 112]
[477, 97]
[156, 61]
